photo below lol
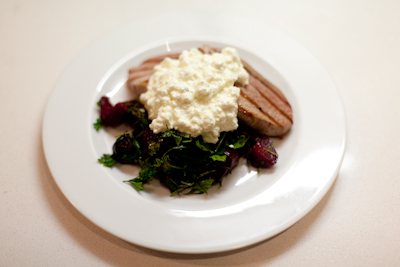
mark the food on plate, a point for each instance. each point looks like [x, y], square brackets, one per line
[184, 127]
[195, 94]
[261, 105]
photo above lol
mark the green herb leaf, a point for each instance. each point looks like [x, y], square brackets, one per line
[136, 144]
[203, 147]
[269, 151]
[218, 158]
[178, 140]
[107, 160]
[137, 185]
[97, 125]
[202, 187]
[184, 135]
[153, 148]
[147, 172]
[220, 141]
[241, 142]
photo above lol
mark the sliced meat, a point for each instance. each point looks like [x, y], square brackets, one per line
[139, 85]
[262, 100]
[280, 104]
[139, 76]
[249, 114]
[259, 77]
[264, 105]
[143, 66]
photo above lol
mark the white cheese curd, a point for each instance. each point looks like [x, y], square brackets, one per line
[195, 94]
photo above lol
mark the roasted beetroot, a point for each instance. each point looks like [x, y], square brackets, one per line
[122, 112]
[111, 115]
[263, 153]
[126, 149]
[224, 167]
[184, 164]
[250, 136]
[151, 142]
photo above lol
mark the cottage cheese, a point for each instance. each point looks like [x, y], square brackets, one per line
[195, 94]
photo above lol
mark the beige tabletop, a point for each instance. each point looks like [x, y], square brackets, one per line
[355, 224]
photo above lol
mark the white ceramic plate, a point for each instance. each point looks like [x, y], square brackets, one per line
[250, 206]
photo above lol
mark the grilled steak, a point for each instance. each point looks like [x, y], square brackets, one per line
[261, 105]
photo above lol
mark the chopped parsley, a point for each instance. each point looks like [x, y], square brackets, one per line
[97, 125]
[185, 164]
[107, 160]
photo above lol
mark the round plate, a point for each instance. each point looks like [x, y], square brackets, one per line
[249, 207]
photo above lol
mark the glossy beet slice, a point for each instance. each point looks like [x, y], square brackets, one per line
[222, 168]
[110, 115]
[125, 150]
[151, 142]
[232, 159]
[263, 153]
[122, 112]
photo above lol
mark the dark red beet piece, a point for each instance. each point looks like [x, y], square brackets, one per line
[124, 150]
[252, 137]
[110, 115]
[222, 168]
[149, 137]
[262, 154]
[232, 158]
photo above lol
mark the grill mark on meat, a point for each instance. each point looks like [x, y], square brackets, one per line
[242, 94]
[270, 91]
[267, 83]
[253, 117]
[265, 87]
[273, 98]
[264, 105]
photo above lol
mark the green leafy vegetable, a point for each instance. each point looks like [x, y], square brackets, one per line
[185, 164]
[270, 151]
[218, 157]
[241, 142]
[203, 146]
[97, 125]
[196, 188]
[107, 160]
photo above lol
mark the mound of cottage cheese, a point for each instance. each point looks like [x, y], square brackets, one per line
[195, 94]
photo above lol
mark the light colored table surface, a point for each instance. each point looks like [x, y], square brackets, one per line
[355, 224]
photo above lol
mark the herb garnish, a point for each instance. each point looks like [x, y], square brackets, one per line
[185, 164]
[270, 151]
[107, 160]
[97, 125]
